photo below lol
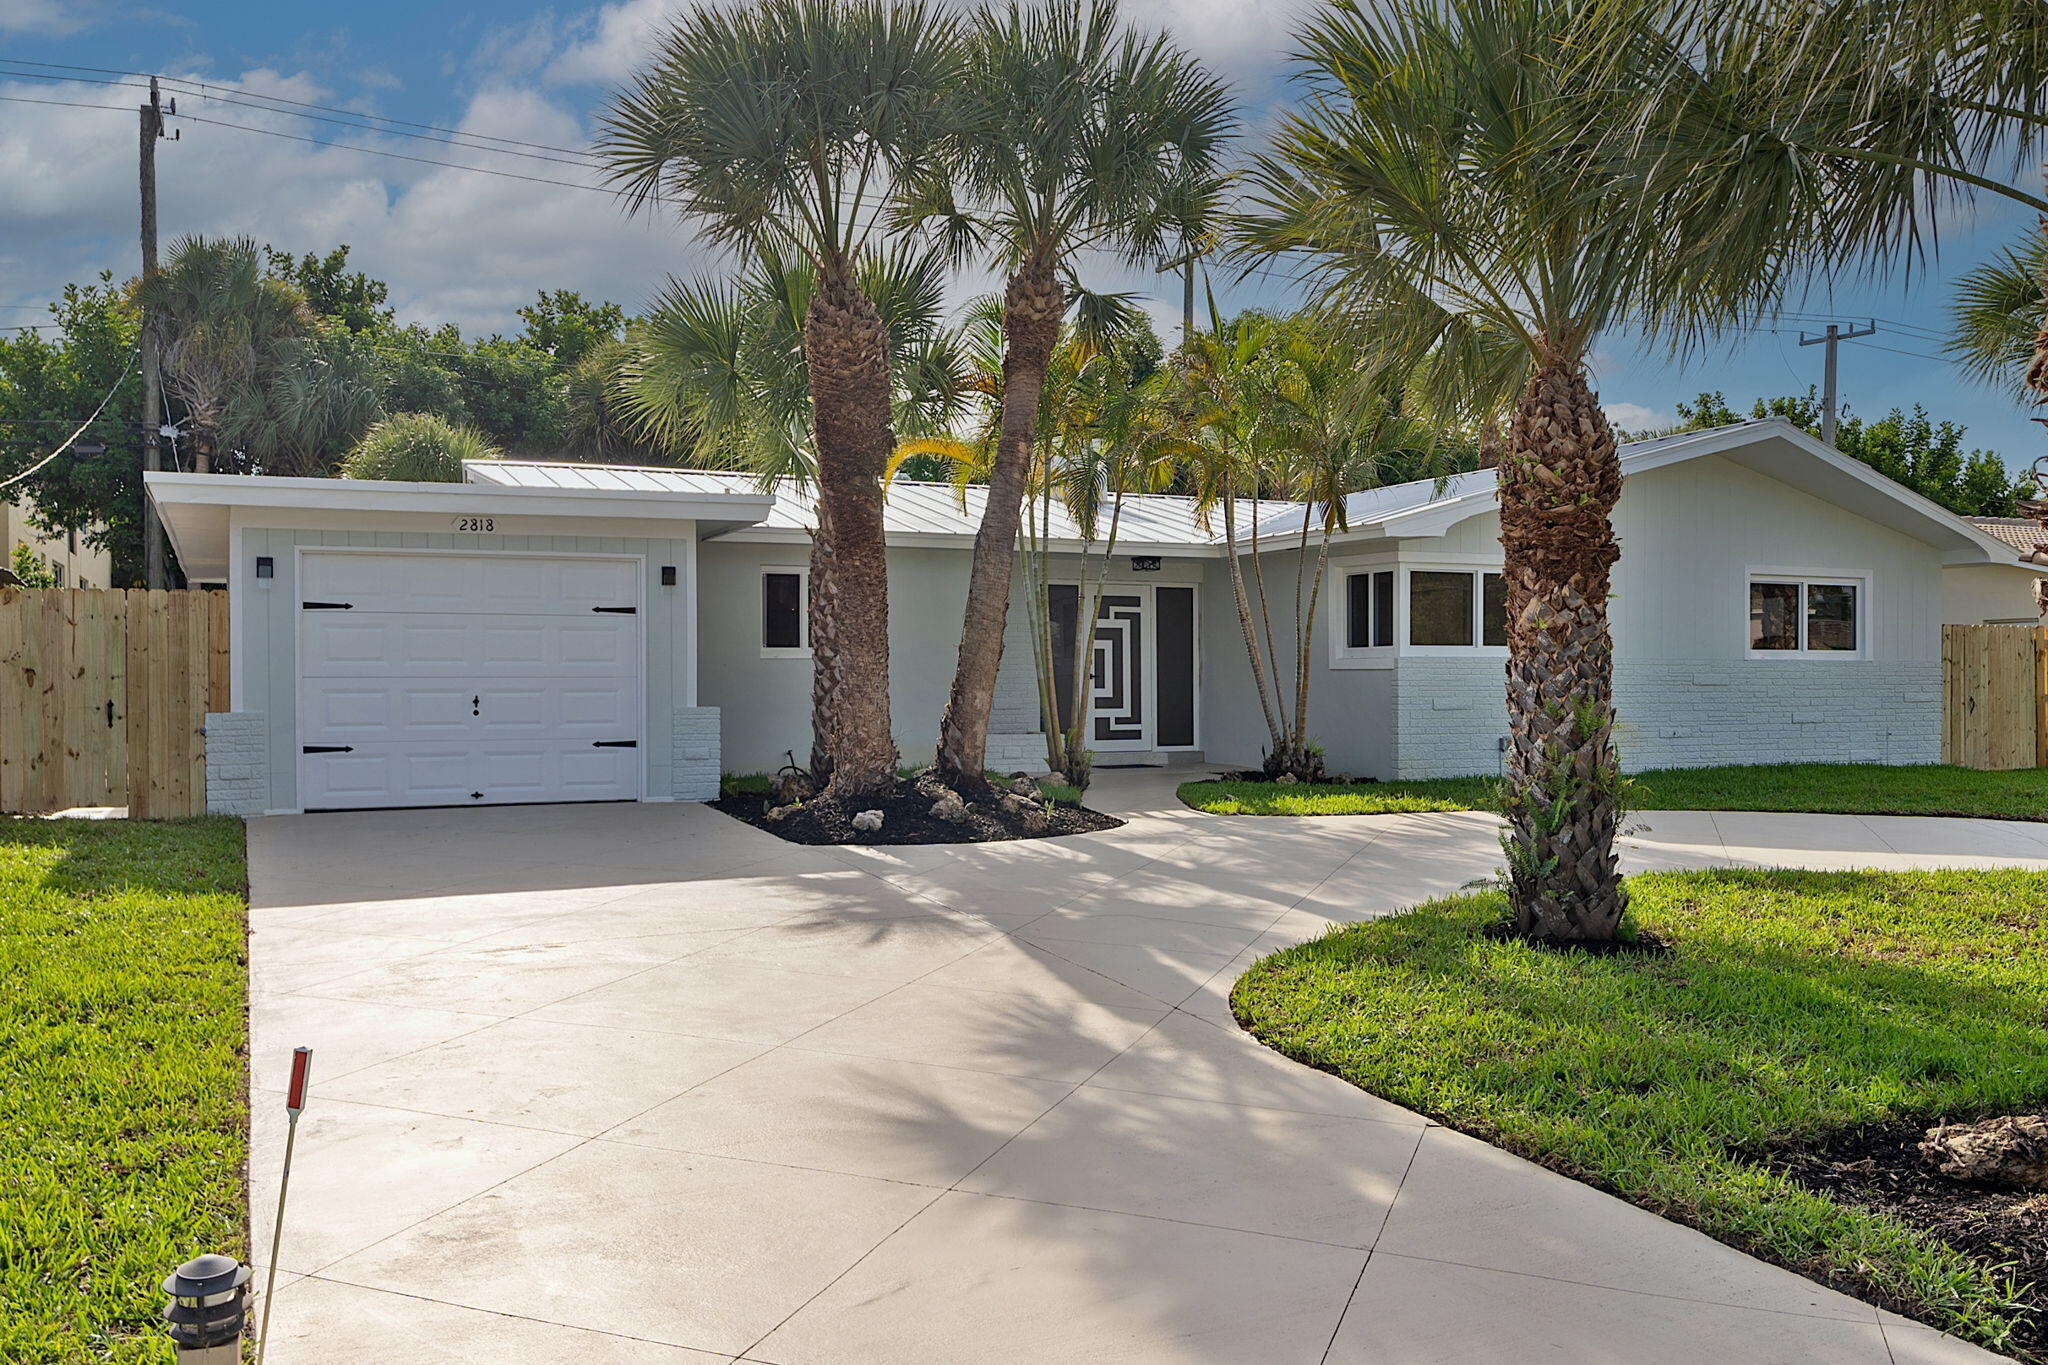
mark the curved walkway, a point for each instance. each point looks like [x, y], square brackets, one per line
[640, 1084]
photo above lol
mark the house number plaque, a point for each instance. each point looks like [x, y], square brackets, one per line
[476, 523]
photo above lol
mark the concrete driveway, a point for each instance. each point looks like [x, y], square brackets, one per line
[639, 1084]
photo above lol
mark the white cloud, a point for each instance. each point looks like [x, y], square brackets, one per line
[608, 46]
[47, 18]
[1636, 417]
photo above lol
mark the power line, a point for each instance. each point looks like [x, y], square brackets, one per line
[188, 85]
[68, 104]
[125, 372]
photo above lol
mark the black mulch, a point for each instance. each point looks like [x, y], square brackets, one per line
[907, 819]
[1880, 1169]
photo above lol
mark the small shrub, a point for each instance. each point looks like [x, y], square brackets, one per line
[416, 447]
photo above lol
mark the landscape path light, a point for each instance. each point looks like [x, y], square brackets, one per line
[209, 1305]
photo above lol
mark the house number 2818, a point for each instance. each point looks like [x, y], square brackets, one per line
[476, 523]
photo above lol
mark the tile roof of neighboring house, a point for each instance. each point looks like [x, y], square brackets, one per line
[2019, 532]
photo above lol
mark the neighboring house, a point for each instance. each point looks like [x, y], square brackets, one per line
[1997, 594]
[75, 562]
[550, 632]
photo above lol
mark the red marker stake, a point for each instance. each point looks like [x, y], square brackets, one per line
[294, 1105]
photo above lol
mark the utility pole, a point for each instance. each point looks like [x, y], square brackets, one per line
[1832, 340]
[155, 572]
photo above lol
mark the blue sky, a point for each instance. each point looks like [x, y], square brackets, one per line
[466, 247]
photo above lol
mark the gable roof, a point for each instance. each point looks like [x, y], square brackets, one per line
[1152, 523]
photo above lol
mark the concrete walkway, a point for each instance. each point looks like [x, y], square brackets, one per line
[639, 1084]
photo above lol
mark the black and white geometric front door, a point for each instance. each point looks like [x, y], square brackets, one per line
[1119, 716]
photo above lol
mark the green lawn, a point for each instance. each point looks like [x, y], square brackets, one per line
[1796, 1004]
[1843, 788]
[123, 1025]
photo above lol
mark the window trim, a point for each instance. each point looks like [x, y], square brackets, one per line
[1342, 653]
[1866, 619]
[1386, 656]
[803, 577]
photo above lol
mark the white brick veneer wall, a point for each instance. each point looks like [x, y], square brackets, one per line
[237, 763]
[694, 758]
[1449, 715]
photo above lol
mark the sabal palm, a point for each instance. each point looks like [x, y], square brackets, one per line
[1476, 168]
[216, 314]
[1995, 321]
[786, 124]
[307, 402]
[1072, 133]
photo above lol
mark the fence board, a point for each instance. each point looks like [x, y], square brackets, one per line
[1994, 696]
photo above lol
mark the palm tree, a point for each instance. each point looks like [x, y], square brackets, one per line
[715, 375]
[1996, 318]
[1073, 133]
[309, 399]
[1471, 169]
[416, 447]
[787, 124]
[216, 314]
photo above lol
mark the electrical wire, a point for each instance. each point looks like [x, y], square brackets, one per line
[125, 372]
[67, 104]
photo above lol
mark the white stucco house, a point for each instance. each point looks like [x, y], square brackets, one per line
[563, 632]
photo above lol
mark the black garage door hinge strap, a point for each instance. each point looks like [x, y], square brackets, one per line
[327, 748]
[617, 611]
[615, 744]
[327, 606]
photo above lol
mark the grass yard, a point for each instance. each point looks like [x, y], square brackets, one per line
[1837, 788]
[123, 1023]
[1797, 1005]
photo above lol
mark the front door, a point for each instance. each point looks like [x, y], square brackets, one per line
[1141, 665]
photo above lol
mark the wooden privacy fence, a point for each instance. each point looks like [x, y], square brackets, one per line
[1994, 691]
[104, 695]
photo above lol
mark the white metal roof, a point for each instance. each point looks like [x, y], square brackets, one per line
[934, 513]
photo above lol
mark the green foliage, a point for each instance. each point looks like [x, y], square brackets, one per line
[122, 1036]
[1797, 1005]
[1997, 312]
[331, 289]
[1912, 449]
[568, 327]
[416, 447]
[32, 569]
[1841, 788]
[57, 378]
[311, 397]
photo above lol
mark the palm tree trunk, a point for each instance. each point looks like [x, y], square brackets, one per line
[1559, 480]
[1033, 305]
[847, 351]
[1244, 615]
[822, 614]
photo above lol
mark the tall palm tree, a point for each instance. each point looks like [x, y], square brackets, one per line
[1471, 169]
[715, 376]
[1073, 133]
[1995, 316]
[217, 315]
[309, 399]
[787, 124]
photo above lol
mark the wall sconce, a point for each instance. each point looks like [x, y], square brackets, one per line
[266, 567]
[668, 575]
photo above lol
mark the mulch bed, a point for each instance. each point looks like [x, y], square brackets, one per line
[1881, 1169]
[907, 819]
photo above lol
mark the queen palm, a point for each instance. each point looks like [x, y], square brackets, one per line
[787, 125]
[1475, 168]
[1072, 133]
[217, 316]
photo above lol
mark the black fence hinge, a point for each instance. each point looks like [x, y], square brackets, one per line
[327, 749]
[617, 611]
[615, 744]
[327, 606]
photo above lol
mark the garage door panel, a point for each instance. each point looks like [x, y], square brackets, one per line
[461, 679]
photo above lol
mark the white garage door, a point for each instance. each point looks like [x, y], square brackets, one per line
[444, 679]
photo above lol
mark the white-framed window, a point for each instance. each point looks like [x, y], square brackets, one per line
[1807, 615]
[785, 612]
[1442, 609]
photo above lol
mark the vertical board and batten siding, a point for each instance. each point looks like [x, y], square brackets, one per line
[268, 671]
[1995, 696]
[104, 695]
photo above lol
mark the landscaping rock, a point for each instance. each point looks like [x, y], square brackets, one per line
[1285, 780]
[1026, 788]
[867, 822]
[776, 813]
[1024, 811]
[791, 788]
[2012, 1150]
[951, 809]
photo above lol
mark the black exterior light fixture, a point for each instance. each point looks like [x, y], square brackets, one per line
[208, 1308]
[668, 575]
[266, 567]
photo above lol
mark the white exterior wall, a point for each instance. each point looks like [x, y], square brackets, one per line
[766, 701]
[1685, 689]
[1989, 594]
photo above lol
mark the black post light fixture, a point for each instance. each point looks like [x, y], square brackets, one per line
[209, 1307]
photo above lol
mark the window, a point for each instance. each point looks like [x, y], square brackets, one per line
[1804, 616]
[785, 623]
[1369, 610]
[1457, 608]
